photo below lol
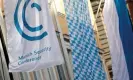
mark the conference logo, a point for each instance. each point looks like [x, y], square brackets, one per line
[26, 25]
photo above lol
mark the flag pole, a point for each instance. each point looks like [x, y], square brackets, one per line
[99, 6]
[65, 53]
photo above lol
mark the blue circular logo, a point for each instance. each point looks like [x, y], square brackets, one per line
[30, 28]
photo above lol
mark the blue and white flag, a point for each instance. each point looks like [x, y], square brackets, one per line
[32, 41]
[120, 36]
[86, 60]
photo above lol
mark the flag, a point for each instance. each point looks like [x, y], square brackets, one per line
[32, 41]
[85, 57]
[120, 36]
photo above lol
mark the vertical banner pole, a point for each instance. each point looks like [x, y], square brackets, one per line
[5, 52]
[69, 68]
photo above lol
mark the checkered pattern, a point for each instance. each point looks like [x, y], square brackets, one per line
[86, 61]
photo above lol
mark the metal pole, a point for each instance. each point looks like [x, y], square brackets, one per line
[69, 68]
[5, 51]
[3, 77]
[98, 11]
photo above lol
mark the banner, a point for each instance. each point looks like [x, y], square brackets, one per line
[120, 36]
[32, 42]
[86, 60]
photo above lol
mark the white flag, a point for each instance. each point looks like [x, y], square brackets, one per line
[31, 37]
[112, 21]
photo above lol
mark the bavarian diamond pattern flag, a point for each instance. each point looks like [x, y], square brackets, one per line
[86, 61]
